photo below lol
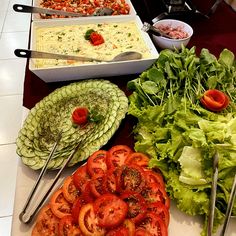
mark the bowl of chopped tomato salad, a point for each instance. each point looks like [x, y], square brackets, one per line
[85, 7]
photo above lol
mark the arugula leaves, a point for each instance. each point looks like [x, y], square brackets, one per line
[178, 74]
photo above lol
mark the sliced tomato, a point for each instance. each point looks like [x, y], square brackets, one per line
[117, 155]
[80, 178]
[142, 232]
[129, 224]
[153, 177]
[88, 222]
[136, 206]
[79, 202]
[97, 163]
[130, 178]
[110, 184]
[70, 192]
[119, 231]
[110, 210]
[47, 223]
[137, 158]
[161, 210]
[154, 193]
[87, 194]
[154, 225]
[59, 206]
[69, 227]
[97, 185]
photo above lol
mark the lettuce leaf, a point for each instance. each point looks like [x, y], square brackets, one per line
[191, 167]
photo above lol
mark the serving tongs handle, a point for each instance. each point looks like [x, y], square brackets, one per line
[213, 194]
[31, 9]
[21, 216]
[26, 53]
[229, 208]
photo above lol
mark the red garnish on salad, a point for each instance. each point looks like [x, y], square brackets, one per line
[215, 100]
[80, 116]
[96, 38]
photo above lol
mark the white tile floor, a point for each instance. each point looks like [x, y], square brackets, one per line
[14, 31]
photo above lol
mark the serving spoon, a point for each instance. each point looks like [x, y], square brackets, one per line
[153, 30]
[124, 56]
[104, 11]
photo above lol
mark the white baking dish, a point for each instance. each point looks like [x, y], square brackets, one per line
[36, 3]
[85, 71]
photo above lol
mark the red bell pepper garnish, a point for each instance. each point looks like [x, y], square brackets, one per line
[214, 100]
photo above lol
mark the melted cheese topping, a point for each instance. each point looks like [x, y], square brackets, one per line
[119, 37]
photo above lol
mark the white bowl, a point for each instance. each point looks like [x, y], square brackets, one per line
[163, 42]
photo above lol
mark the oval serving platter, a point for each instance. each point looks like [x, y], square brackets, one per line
[52, 115]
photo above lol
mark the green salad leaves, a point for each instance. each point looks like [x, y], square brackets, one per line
[181, 136]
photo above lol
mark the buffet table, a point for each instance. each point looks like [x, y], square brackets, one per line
[216, 33]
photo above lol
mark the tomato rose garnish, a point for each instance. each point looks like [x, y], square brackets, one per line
[94, 37]
[80, 115]
[215, 100]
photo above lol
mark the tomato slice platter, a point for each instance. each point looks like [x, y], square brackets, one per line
[113, 193]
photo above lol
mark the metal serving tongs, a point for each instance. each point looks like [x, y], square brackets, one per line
[213, 199]
[104, 11]
[29, 218]
[213, 194]
[229, 207]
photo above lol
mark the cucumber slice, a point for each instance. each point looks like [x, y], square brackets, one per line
[25, 151]
[29, 161]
